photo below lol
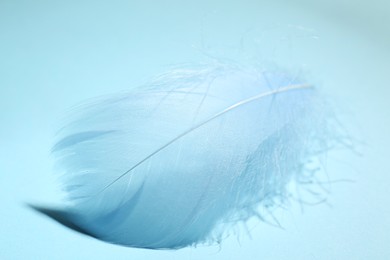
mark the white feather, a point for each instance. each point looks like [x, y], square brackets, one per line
[179, 162]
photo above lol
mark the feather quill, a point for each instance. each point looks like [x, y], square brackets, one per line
[182, 160]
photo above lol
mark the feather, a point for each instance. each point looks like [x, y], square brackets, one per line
[182, 160]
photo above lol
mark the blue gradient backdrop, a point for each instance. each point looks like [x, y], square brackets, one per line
[55, 54]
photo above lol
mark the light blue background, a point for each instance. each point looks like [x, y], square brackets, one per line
[55, 54]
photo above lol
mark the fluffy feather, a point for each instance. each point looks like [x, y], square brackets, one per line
[180, 161]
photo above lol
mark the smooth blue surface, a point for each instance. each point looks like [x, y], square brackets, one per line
[54, 55]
